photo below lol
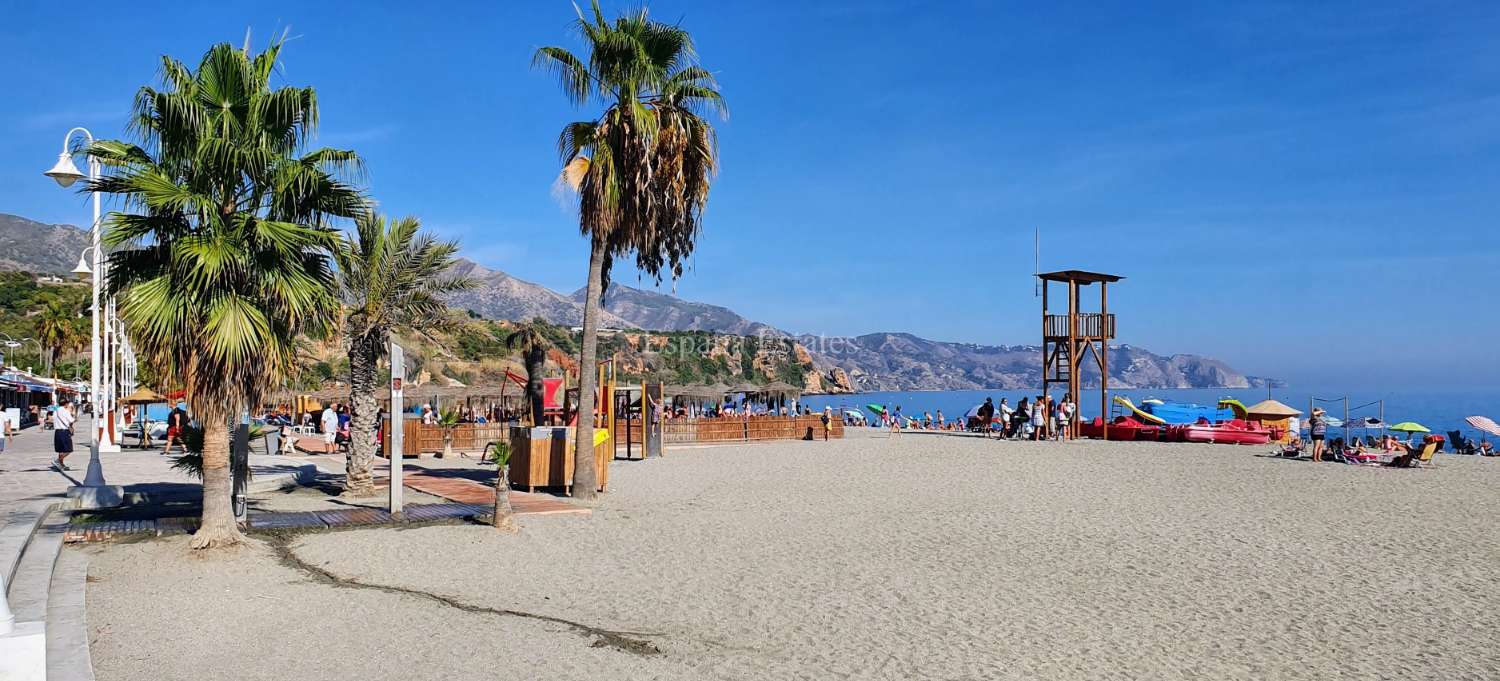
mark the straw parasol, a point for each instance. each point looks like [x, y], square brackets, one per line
[781, 388]
[143, 395]
[1271, 413]
[1271, 409]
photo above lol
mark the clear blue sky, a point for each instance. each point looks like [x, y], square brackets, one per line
[1308, 193]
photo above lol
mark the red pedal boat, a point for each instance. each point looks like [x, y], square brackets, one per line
[1122, 428]
[1234, 431]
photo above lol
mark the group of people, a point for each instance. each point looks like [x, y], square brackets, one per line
[1041, 419]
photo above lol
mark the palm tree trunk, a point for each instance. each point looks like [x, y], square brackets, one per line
[217, 527]
[585, 478]
[364, 353]
[535, 360]
[503, 519]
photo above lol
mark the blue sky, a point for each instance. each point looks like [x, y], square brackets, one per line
[1305, 192]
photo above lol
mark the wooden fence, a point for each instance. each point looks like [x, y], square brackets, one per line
[737, 429]
[471, 438]
[419, 438]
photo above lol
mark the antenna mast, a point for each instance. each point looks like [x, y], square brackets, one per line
[1036, 269]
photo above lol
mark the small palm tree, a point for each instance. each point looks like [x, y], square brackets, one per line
[503, 517]
[447, 419]
[530, 340]
[641, 169]
[227, 257]
[392, 279]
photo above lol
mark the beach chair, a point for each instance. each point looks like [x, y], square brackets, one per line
[1416, 458]
[1461, 444]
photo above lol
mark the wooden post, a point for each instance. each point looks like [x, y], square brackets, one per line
[1107, 332]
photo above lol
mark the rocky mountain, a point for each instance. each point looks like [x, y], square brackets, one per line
[901, 361]
[662, 312]
[31, 246]
[498, 295]
[877, 361]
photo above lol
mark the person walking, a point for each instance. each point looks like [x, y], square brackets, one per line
[827, 422]
[1317, 426]
[62, 435]
[176, 422]
[329, 421]
[986, 416]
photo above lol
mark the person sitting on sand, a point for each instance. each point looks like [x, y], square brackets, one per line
[1486, 449]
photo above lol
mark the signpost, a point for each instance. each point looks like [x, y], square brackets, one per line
[395, 447]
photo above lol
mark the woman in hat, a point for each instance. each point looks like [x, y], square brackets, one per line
[1318, 427]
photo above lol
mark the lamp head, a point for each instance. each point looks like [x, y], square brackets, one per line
[64, 172]
[82, 270]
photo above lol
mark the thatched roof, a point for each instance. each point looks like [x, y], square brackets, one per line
[780, 388]
[1271, 409]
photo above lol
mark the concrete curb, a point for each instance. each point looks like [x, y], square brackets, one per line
[68, 656]
[304, 475]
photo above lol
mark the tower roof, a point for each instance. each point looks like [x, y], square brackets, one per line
[1079, 276]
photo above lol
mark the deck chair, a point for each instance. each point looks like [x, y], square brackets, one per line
[1416, 458]
[1461, 444]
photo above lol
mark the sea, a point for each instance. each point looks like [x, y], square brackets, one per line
[1439, 411]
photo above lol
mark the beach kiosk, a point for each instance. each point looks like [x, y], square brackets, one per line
[1068, 340]
[1273, 414]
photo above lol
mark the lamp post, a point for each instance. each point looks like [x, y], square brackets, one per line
[94, 492]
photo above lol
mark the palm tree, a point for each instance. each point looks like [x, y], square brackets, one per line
[641, 169]
[529, 339]
[56, 331]
[503, 517]
[227, 257]
[392, 279]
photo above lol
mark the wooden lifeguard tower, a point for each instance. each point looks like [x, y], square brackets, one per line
[1066, 338]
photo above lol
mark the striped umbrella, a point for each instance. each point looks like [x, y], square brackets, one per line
[1485, 424]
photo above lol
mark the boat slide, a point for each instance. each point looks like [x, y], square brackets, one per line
[1146, 416]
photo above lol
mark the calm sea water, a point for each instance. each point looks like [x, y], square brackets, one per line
[1439, 411]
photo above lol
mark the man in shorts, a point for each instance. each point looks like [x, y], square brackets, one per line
[62, 435]
[330, 423]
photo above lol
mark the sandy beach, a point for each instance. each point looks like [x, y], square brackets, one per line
[922, 557]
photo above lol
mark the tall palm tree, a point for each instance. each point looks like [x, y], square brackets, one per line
[532, 343]
[641, 169]
[392, 279]
[56, 331]
[226, 257]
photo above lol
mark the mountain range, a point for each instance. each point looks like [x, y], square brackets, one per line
[876, 361]
[32, 246]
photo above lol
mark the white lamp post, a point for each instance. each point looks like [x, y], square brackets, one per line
[93, 492]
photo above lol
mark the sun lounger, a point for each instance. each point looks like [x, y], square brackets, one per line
[1461, 444]
[1416, 458]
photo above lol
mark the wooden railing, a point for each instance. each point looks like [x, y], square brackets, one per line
[419, 438]
[1090, 325]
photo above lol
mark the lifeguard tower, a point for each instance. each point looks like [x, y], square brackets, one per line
[1066, 338]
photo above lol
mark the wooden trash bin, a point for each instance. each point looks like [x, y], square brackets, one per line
[543, 457]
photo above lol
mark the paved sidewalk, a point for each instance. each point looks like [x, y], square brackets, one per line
[26, 473]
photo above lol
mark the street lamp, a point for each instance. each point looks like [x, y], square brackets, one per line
[93, 492]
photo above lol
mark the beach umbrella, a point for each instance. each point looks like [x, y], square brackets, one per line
[878, 410]
[854, 414]
[1410, 427]
[973, 412]
[143, 395]
[1485, 424]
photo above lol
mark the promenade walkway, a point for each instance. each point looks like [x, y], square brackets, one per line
[26, 473]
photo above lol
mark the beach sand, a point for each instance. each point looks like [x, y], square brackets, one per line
[922, 557]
